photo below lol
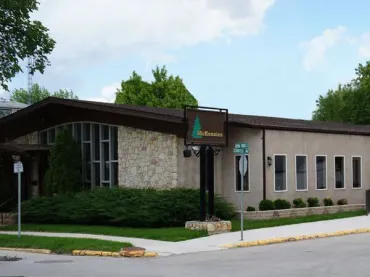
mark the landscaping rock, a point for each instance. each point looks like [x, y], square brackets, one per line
[132, 252]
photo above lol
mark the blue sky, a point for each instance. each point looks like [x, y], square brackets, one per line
[260, 57]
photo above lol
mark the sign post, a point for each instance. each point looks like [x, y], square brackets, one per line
[242, 149]
[18, 169]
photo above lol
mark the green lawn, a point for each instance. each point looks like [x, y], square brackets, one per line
[60, 245]
[175, 233]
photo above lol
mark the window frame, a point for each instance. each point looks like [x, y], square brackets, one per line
[295, 171]
[326, 172]
[248, 172]
[344, 172]
[361, 174]
[286, 172]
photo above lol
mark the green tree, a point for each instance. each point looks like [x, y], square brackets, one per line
[65, 165]
[349, 103]
[20, 38]
[39, 93]
[166, 91]
[196, 127]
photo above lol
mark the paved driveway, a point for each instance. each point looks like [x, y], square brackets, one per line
[347, 256]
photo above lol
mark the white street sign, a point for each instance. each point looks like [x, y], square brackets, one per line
[18, 167]
[243, 169]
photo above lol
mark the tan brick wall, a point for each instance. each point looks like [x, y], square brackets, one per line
[290, 213]
[32, 138]
[146, 159]
[7, 219]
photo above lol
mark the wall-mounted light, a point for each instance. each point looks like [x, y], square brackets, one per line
[269, 161]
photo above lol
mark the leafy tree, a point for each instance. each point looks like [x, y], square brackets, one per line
[166, 91]
[21, 38]
[39, 93]
[349, 103]
[65, 165]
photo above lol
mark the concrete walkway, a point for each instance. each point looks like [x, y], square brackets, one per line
[213, 243]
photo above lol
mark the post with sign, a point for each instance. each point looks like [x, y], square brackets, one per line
[18, 169]
[242, 149]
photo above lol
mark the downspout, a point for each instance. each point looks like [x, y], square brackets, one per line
[264, 163]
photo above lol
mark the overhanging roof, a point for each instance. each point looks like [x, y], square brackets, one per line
[54, 111]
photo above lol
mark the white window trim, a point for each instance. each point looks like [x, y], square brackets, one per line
[286, 172]
[344, 172]
[295, 171]
[248, 165]
[361, 176]
[326, 171]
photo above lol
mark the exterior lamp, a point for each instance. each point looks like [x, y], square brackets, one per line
[269, 161]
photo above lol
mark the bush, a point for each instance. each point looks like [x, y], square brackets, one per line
[128, 207]
[251, 209]
[342, 202]
[266, 205]
[313, 202]
[328, 202]
[299, 203]
[282, 204]
[65, 166]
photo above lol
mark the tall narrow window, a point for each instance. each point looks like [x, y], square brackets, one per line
[321, 172]
[280, 179]
[238, 174]
[356, 173]
[301, 172]
[339, 177]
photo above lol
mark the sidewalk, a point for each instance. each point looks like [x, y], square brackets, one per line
[215, 242]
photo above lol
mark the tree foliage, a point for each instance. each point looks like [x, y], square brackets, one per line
[65, 165]
[20, 38]
[165, 91]
[39, 93]
[349, 103]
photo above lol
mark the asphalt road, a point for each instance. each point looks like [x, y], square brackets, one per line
[339, 256]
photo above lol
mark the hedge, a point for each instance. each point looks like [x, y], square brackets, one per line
[127, 207]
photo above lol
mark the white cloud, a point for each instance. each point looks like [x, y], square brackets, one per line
[364, 46]
[91, 30]
[107, 93]
[317, 47]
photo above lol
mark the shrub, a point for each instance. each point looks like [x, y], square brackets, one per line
[299, 203]
[342, 202]
[251, 209]
[128, 207]
[65, 166]
[313, 202]
[328, 202]
[266, 205]
[282, 204]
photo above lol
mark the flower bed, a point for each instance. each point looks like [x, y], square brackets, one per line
[296, 212]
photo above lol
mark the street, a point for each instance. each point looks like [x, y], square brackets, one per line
[338, 256]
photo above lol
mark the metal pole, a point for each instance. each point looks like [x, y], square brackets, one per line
[242, 199]
[19, 204]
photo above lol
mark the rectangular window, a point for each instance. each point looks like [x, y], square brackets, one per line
[339, 177]
[96, 141]
[86, 131]
[280, 172]
[105, 132]
[44, 137]
[301, 172]
[77, 132]
[114, 143]
[51, 136]
[356, 173]
[320, 172]
[238, 174]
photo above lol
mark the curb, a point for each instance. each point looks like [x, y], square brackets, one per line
[29, 250]
[296, 238]
[131, 254]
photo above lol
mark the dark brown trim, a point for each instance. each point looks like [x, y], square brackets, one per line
[264, 163]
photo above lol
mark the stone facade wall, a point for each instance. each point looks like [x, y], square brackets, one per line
[146, 159]
[32, 138]
[7, 219]
[296, 212]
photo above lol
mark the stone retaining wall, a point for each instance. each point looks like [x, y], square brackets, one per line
[289, 213]
[7, 219]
